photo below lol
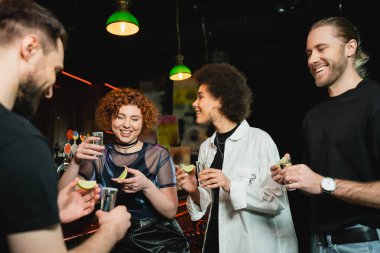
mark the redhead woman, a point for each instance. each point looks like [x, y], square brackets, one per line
[149, 191]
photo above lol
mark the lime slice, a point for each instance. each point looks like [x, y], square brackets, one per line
[124, 174]
[86, 184]
[188, 168]
[285, 161]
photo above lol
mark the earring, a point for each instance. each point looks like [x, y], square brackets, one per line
[211, 118]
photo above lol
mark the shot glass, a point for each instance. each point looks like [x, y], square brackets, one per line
[108, 198]
[98, 142]
[199, 165]
[100, 135]
[285, 162]
[283, 166]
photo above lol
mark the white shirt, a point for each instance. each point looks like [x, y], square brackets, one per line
[255, 215]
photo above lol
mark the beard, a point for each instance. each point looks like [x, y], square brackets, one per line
[28, 98]
[337, 69]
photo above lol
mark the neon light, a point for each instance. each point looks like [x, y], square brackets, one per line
[111, 86]
[77, 78]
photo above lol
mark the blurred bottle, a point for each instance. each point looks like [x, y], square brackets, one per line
[56, 151]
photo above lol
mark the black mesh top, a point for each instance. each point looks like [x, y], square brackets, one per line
[153, 160]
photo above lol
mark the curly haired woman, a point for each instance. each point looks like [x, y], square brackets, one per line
[248, 211]
[149, 191]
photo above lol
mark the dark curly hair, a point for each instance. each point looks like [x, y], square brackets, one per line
[226, 82]
[110, 104]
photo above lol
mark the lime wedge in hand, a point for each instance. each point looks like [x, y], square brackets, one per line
[124, 174]
[285, 161]
[86, 184]
[188, 168]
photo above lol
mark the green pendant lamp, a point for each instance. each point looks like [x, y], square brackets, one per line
[122, 22]
[179, 71]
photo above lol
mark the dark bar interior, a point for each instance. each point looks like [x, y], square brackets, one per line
[264, 39]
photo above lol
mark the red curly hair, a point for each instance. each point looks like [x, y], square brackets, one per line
[109, 105]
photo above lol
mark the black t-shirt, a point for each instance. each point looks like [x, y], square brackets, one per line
[343, 141]
[212, 238]
[28, 178]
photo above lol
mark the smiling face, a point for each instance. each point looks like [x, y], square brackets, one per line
[327, 60]
[206, 106]
[128, 123]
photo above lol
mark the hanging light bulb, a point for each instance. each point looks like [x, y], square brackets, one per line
[122, 22]
[179, 71]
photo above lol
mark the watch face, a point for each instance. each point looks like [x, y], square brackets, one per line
[328, 184]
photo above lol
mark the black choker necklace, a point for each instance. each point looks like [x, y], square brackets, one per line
[127, 145]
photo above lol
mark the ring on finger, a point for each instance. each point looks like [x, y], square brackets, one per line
[129, 187]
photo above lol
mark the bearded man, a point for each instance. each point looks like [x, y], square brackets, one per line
[31, 54]
[341, 164]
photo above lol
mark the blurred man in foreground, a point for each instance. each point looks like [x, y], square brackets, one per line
[31, 54]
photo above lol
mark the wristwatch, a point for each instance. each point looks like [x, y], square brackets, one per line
[328, 185]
